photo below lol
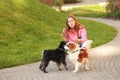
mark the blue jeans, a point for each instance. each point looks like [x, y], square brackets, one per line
[80, 44]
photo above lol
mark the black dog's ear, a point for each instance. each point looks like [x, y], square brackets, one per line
[63, 42]
[61, 45]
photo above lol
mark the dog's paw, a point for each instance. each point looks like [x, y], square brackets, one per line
[75, 71]
[60, 69]
[45, 71]
[87, 68]
[41, 69]
[66, 68]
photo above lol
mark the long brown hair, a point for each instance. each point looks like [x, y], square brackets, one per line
[67, 27]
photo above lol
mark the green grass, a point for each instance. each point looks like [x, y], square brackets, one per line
[27, 27]
[94, 10]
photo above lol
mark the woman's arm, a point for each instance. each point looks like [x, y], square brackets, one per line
[83, 35]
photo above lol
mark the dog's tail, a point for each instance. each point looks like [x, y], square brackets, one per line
[87, 44]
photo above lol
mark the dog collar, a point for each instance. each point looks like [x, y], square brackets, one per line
[75, 51]
[61, 49]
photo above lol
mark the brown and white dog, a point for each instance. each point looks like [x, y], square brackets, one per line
[78, 55]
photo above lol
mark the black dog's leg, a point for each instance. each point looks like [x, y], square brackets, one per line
[41, 66]
[65, 65]
[59, 65]
[45, 64]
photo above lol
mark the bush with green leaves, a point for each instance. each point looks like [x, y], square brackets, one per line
[71, 1]
[113, 9]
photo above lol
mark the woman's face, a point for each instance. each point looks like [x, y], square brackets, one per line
[71, 22]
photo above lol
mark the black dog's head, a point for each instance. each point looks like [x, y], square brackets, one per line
[61, 45]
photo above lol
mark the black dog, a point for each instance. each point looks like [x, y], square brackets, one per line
[57, 55]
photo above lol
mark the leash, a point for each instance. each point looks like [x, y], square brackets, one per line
[75, 51]
[61, 49]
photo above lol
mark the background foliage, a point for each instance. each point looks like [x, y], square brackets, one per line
[113, 9]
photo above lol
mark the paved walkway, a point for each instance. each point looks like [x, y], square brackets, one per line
[104, 64]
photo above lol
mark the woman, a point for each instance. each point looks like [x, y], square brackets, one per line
[74, 31]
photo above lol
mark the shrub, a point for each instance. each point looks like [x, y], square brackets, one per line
[113, 9]
[52, 2]
[71, 1]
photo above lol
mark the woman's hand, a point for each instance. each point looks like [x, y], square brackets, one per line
[77, 41]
